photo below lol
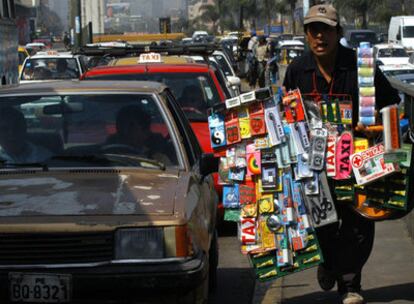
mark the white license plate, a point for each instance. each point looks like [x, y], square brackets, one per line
[39, 287]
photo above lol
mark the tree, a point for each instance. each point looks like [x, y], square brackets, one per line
[210, 13]
[359, 7]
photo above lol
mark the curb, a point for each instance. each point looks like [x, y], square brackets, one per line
[268, 292]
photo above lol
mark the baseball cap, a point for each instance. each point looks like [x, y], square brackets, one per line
[324, 13]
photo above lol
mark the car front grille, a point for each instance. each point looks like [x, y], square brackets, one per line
[60, 248]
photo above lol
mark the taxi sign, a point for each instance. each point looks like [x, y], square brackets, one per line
[149, 58]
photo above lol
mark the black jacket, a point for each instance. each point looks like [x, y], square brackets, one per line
[299, 74]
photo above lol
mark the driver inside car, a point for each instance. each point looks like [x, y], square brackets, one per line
[134, 136]
[14, 146]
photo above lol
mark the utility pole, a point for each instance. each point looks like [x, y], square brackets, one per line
[78, 23]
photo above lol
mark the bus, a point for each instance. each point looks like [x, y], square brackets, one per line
[9, 57]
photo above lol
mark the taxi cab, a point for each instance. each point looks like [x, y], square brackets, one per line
[52, 65]
[114, 202]
[194, 85]
[23, 53]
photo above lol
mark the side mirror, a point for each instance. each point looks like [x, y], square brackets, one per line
[234, 81]
[398, 36]
[208, 164]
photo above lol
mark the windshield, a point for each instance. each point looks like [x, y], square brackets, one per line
[392, 53]
[84, 130]
[195, 92]
[50, 68]
[408, 31]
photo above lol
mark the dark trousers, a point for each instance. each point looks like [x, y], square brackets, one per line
[346, 246]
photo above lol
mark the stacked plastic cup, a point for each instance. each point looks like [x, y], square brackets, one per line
[366, 70]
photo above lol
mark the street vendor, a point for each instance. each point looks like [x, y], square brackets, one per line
[329, 68]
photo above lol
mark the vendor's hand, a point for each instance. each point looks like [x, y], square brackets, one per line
[369, 131]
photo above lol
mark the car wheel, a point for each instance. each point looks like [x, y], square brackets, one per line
[213, 262]
[197, 296]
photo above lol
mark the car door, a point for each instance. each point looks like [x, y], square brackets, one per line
[204, 186]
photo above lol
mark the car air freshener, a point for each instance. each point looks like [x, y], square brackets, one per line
[248, 230]
[330, 154]
[231, 122]
[257, 120]
[273, 122]
[244, 122]
[231, 196]
[253, 160]
[293, 107]
[318, 145]
[217, 130]
[344, 149]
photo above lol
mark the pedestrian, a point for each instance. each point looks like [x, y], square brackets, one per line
[330, 68]
[251, 60]
[262, 56]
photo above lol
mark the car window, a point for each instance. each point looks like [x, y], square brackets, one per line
[195, 92]
[119, 129]
[50, 68]
[408, 31]
[392, 52]
[357, 37]
[224, 65]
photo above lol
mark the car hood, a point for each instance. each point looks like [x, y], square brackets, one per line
[88, 192]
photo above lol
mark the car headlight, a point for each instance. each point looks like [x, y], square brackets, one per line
[152, 243]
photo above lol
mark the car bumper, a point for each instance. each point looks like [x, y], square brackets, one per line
[127, 280]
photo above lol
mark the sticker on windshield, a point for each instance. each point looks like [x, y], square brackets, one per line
[209, 92]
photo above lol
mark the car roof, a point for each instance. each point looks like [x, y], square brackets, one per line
[53, 54]
[150, 68]
[135, 60]
[393, 67]
[76, 86]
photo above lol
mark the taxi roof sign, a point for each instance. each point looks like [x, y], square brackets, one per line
[149, 58]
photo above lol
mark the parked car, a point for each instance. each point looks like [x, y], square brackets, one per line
[23, 53]
[52, 65]
[196, 87]
[401, 31]
[354, 37]
[117, 203]
[397, 69]
[390, 54]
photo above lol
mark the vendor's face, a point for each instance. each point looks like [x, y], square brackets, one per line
[322, 38]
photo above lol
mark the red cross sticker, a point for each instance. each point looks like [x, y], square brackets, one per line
[357, 161]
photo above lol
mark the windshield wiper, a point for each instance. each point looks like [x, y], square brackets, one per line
[107, 159]
[142, 160]
[5, 164]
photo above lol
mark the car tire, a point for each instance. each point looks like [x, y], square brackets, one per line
[213, 262]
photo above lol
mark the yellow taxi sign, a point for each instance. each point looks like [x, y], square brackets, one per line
[149, 58]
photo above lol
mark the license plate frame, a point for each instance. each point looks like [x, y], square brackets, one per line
[40, 287]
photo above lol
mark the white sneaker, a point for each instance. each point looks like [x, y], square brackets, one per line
[352, 298]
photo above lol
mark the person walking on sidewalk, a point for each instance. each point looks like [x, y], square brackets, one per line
[330, 68]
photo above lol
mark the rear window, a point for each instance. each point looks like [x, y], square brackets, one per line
[392, 53]
[195, 92]
[50, 68]
[358, 37]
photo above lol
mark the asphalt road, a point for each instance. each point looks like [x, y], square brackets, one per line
[235, 276]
